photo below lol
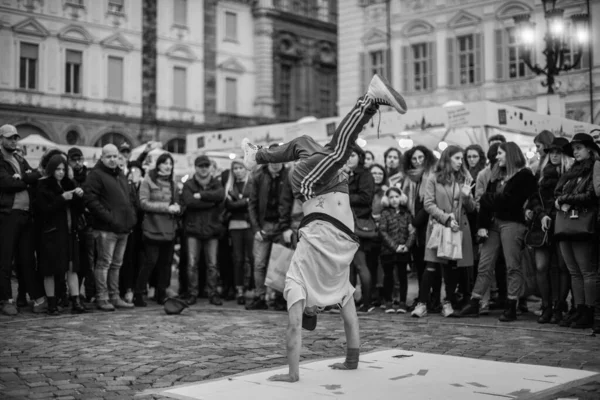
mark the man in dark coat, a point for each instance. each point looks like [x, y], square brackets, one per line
[17, 180]
[111, 203]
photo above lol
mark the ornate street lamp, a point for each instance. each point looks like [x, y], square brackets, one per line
[556, 42]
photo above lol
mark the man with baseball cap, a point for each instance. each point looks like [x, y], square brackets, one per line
[17, 180]
[202, 196]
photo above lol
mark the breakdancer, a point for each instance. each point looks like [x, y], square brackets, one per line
[319, 272]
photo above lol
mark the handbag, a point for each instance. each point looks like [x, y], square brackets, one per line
[575, 225]
[535, 238]
[366, 228]
[436, 235]
[450, 242]
[279, 264]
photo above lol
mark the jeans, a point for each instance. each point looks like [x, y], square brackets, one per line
[17, 244]
[211, 248]
[388, 278]
[87, 260]
[157, 256]
[359, 264]
[579, 257]
[262, 252]
[507, 236]
[111, 249]
[450, 272]
[242, 241]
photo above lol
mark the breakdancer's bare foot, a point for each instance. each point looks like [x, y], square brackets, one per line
[284, 378]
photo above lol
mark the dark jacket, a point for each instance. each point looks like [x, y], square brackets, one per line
[259, 194]
[507, 205]
[9, 185]
[361, 190]
[110, 200]
[155, 197]
[59, 241]
[541, 201]
[395, 229]
[236, 202]
[576, 187]
[202, 217]
[421, 218]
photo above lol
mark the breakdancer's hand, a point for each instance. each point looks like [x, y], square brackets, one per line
[284, 378]
[287, 236]
[341, 366]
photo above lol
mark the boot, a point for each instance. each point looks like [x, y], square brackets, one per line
[470, 310]
[161, 296]
[557, 312]
[571, 317]
[138, 300]
[597, 326]
[586, 318]
[241, 299]
[510, 313]
[546, 315]
[52, 306]
[76, 306]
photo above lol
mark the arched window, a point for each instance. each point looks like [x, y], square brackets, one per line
[176, 146]
[72, 137]
[112, 138]
[28, 129]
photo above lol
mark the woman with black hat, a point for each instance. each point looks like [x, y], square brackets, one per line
[541, 213]
[577, 206]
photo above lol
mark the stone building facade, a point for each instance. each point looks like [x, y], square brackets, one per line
[91, 72]
[443, 50]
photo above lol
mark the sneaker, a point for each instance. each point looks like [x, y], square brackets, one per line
[402, 308]
[104, 305]
[120, 303]
[22, 302]
[258, 304]
[249, 154]
[420, 311]
[365, 309]
[484, 308]
[129, 296]
[383, 94]
[215, 300]
[191, 300]
[447, 310]
[41, 308]
[9, 308]
[389, 308]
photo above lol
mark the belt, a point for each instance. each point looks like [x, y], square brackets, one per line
[328, 218]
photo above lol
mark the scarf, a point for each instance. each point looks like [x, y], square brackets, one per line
[550, 179]
[414, 186]
[581, 169]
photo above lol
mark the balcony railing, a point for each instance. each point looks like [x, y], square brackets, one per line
[321, 11]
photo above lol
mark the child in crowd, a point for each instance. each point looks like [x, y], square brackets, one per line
[398, 234]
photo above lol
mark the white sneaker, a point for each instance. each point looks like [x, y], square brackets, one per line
[420, 311]
[447, 309]
[129, 296]
[384, 94]
[249, 154]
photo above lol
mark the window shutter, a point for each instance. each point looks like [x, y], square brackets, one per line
[115, 78]
[585, 59]
[362, 60]
[29, 50]
[387, 65]
[231, 95]
[179, 87]
[407, 73]
[74, 57]
[432, 65]
[478, 59]
[450, 42]
[500, 52]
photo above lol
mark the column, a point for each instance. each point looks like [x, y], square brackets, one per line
[263, 51]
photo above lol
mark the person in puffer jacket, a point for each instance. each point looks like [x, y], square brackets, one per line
[398, 234]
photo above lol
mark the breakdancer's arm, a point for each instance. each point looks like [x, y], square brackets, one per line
[294, 343]
[352, 337]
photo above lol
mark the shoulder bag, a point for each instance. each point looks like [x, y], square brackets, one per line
[536, 238]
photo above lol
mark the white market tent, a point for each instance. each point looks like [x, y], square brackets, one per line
[459, 124]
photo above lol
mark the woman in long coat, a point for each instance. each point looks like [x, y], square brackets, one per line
[58, 207]
[448, 199]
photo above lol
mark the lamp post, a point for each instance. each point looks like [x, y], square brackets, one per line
[556, 45]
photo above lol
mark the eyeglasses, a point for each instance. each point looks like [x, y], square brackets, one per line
[472, 156]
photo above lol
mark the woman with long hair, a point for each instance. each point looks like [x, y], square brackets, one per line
[418, 165]
[158, 200]
[369, 159]
[393, 159]
[542, 141]
[553, 279]
[501, 224]
[361, 188]
[448, 198]
[475, 159]
[58, 205]
[575, 197]
[237, 192]
[380, 201]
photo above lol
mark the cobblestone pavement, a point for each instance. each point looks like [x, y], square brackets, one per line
[118, 355]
